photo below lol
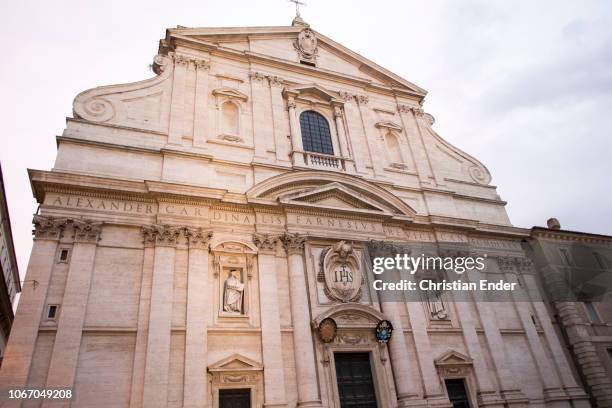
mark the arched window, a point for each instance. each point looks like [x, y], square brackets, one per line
[315, 133]
[230, 118]
[393, 149]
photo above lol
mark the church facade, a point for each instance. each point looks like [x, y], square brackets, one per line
[204, 240]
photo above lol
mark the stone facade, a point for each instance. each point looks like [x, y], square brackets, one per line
[186, 239]
[585, 319]
[9, 279]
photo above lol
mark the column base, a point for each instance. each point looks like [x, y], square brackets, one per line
[490, 399]
[276, 405]
[412, 401]
[310, 404]
[439, 401]
[515, 398]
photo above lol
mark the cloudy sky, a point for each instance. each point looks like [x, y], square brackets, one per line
[524, 86]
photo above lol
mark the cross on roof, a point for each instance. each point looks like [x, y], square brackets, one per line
[298, 3]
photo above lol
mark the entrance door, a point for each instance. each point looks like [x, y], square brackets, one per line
[355, 385]
[240, 398]
[457, 393]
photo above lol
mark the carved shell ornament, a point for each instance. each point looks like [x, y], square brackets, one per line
[306, 45]
[342, 272]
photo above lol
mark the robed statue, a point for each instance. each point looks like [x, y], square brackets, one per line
[233, 290]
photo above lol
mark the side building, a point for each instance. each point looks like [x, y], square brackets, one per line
[576, 269]
[9, 280]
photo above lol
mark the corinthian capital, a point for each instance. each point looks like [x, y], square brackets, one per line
[48, 227]
[161, 235]
[198, 237]
[266, 243]
[293, 243]
[87, 231]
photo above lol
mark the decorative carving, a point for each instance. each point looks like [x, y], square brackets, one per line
[160, 63]
[306, 45]
[479, 174]
[346, 96]
[275, 81]
[293, 243]
[362, 99]
[48, 227]
[266, 243]
[87, 231]
[202, 64]
[337, 112]
[231, 138]
[162, 235]
[342, 273]
[233, 290]
[257, 76]
[198, 237]
[181, 59]
[352, 339]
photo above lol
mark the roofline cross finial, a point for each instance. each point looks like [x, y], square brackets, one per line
[298, 3]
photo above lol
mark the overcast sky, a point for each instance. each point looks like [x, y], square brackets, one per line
[524, 86]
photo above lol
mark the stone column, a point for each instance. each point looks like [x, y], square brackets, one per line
[295, 131]
[306, 371]
[158, 342]
[415, 142]
[487, 395]
[262, 119]
[195, 389]
[62, 368]
[281, 131]
[361, 154]
[344, 150]
[177, 107]
[20, 349]
[274, 380]
[144, 306]
[371, 135]
[200, 121]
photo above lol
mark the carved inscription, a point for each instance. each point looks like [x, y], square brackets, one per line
[100, 204]
[335, 223]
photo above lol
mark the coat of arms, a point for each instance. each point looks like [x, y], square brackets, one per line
[342, 273]
[306, 45]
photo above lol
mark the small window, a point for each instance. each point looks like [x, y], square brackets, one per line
[566, 256]
[600, 261]
[316, 136]
[592, 312]
[610, 353]
[52, 312]
[64, 255]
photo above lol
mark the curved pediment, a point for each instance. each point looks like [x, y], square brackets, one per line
[351, 315]
[329, 190]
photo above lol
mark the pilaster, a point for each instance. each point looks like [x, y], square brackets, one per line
[177, 107]
[24, 332]
[306, 373]
[62, 368]
[195, 387]
[274, 379]
[200, 120]
[165, 237]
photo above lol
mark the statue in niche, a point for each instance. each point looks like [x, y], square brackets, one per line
[233, 290]
[435, 304]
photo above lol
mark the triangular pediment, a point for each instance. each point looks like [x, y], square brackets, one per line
[453, 357]
[387, 124]
[335, 196]
[230, 93]
[235, 362]
[277, 44]
[312, 92]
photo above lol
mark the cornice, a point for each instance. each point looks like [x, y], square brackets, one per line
[564, 235]
[112, 125]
